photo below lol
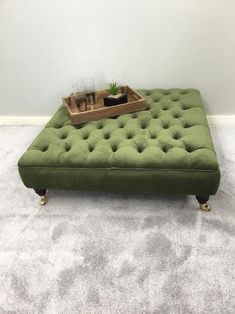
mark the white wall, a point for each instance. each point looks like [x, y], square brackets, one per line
[47, 45]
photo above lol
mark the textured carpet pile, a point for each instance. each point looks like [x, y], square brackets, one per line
[115, 253]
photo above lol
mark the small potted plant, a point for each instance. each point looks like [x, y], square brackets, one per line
[115, 97]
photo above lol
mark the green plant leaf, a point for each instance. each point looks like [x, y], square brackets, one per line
[113, 88]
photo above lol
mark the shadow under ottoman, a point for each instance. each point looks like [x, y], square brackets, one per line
[166, 148]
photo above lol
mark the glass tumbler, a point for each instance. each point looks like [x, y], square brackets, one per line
[80, 97]
[88, 87]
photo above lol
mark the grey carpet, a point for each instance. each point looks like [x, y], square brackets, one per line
[114, 253]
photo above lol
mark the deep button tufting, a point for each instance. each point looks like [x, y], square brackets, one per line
[63, 136]
[121, 125]
[186, 126]
[124, 149]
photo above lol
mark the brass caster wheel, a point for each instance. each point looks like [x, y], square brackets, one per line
[205, 207]
[43, 200]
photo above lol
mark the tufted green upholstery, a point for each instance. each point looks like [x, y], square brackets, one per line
[166, 148]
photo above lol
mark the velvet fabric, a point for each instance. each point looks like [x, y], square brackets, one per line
[166, 148]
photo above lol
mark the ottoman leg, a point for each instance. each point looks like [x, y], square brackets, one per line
[42, 194]
[202, 200]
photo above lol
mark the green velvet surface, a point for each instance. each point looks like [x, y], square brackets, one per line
[166, 148]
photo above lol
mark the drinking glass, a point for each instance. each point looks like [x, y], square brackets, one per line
[80, 97]
[88, 87]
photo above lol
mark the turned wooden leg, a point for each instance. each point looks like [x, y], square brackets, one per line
[202, 200]
[42, 193]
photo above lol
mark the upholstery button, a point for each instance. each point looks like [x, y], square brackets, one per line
[155, 116]
[114, 149]
[165, 126]
[85, 137]
[156, 98]
[175, 98]
[140, 149]
[121, 125]
[189, 149]
[107, 136]
[90, 148]
[153, 136]
[176, 116]
[129, 136]
[165, 108]
[44, 149]
[176, 136]
[79, 126]
[134, 115]
[186, 126]
[67, 148]
[143, 127]
[164, 149]
[165, 92]
[63, 136]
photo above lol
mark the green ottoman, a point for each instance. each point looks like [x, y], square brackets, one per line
[166, 148]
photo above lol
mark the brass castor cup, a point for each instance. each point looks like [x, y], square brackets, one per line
[43, 200]
[205, 207]
[42, 193]
[202, 200]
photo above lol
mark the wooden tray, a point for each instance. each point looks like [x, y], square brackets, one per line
[98, 111]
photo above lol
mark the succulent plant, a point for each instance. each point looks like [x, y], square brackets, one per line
[113, 88]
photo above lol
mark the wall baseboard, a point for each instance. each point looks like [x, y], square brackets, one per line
[37, 120]
[221, 119]
[24, 120]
